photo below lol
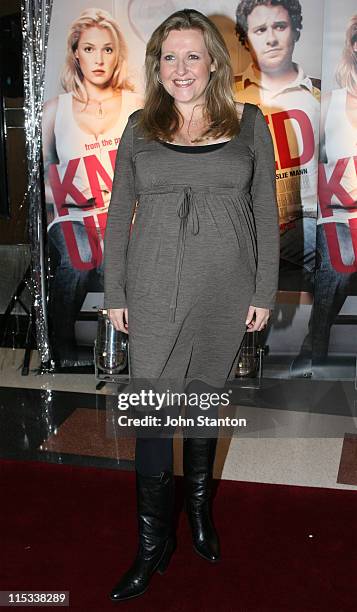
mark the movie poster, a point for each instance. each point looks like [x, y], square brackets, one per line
[276, 53]
[336, 278]
[282, 45]
[82, 126]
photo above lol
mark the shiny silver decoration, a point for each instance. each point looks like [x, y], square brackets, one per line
[47, 411]
[36, 15]
[111, 347]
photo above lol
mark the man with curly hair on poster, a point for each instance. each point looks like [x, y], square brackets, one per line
[290, 101]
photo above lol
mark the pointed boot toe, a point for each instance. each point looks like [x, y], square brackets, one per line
[208, 548]
[155, 498]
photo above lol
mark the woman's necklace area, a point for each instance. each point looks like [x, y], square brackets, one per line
[193, 128]
[100, 114]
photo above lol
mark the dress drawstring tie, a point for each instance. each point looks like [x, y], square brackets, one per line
[186, 208]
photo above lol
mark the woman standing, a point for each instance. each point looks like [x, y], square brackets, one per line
[81, 130]
[201, 265]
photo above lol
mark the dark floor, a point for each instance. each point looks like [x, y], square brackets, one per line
[79, 429]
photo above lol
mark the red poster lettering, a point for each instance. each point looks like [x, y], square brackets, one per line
[328, 188]
[333, 187]
[281, 138]
[61, 189]
[94, 169]
[334, 247]
[93, 240]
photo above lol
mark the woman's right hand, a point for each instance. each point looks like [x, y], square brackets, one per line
[119, 318]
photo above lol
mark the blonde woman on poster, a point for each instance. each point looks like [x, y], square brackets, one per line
[336, 270]
[81, 132]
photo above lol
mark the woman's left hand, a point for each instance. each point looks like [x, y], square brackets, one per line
[257, 318]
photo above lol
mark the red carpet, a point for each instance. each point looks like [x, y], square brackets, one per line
[71, 528]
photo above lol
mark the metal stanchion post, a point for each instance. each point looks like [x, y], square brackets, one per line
[111, 353]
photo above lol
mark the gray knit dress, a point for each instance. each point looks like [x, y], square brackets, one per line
[203, 247]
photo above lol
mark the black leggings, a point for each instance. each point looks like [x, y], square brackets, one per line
[155, 455]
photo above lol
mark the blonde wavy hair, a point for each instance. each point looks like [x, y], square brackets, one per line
[72, 77]
[160, 119]
[346, 74]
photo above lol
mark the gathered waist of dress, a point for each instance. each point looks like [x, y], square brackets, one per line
[186, 204]
[204, 189]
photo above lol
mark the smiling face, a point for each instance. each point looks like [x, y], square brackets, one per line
[185, 66]
[96, 56]
[271, 38]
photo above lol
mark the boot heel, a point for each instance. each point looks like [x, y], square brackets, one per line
[166, 556]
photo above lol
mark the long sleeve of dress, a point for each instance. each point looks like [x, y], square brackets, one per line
[120, 214]
[265, 208]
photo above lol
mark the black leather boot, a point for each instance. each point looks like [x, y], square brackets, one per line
[155, 502]
[198, 460]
